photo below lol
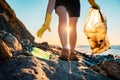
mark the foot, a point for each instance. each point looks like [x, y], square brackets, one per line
[64, 54]
[73, 56]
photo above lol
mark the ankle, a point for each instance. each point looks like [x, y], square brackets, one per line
[65, 51]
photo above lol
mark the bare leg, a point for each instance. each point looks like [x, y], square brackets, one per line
[73, 37]
[61, 11]
[73, 34]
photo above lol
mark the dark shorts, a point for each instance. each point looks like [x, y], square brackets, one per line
[72, 6]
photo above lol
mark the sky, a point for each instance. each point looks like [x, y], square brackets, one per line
[32, 15]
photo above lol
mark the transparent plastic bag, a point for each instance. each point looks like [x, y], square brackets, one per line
[95, 29]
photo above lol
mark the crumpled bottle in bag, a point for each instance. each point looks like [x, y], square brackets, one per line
[95, 29]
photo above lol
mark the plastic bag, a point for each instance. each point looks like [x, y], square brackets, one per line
[95, 29]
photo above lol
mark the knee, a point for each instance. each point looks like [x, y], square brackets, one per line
[73, 22]
[61, 11]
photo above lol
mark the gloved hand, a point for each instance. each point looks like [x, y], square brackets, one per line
[45, 26]
[94, 5]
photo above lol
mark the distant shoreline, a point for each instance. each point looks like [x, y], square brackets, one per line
[114, 50]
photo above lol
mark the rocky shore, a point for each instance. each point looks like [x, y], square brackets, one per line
[24, 66]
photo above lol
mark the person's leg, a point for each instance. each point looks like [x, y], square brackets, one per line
[62, 13]
[73, 33]
[74, 13]
[73, 36]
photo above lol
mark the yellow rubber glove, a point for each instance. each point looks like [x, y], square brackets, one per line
[45, 26]
[94, 5]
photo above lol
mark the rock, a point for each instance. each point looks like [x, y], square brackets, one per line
[5, 52]
[97, 59]
[27, 67]
[22, 68]
[43, 45]
[99, 70]
[11, 41]
[26, 44]
[109, 68]
[11, 24]
[112, 68]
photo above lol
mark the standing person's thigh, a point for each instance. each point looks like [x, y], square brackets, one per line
[61, 11]
[60, 7]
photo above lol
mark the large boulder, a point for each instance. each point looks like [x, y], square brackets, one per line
[10, 23]
[112, 68]
[5, 52]
[109, 68]
[11, 41]
[22, 68]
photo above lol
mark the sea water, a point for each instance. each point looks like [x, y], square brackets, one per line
[114, 50]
